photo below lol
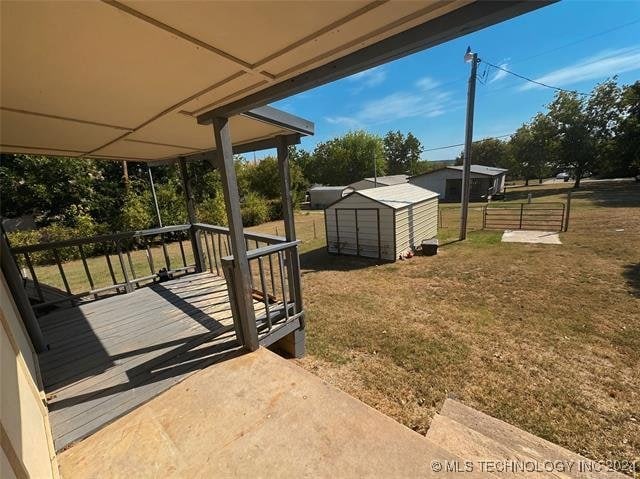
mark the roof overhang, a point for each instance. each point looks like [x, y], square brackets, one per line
[128, 79]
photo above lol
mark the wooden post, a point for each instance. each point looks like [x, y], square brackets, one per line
[11, 275]
[196, 244]
[294, 343]
[241, 276]
[568, 212]
[521, 212]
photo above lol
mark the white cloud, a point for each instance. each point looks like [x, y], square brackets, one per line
[369, 78]
[347, 121]
[500, 74]
[427, 103]
[427, 83]
[604, 64]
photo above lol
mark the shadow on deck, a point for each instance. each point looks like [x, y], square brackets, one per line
[110, 356]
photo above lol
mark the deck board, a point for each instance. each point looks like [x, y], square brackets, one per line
[110, 356]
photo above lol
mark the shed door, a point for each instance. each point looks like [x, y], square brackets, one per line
[358, 231]
[368, 229]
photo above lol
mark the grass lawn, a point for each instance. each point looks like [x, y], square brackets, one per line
[545, 337]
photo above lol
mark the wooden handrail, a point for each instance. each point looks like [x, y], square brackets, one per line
[99, 239]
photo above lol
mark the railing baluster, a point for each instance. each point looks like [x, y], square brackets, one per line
[86, 269]
[206, 243]
[215, 260]
[149, 257]
[167, 260]
[110, 266]
[184, 258]
[133, 272]
[265, 294]
[128, 286]
[220, 245]
[61, 269]
[273, 279]
[284, 292]
[34, 278]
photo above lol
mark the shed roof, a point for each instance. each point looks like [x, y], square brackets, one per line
[328, 188]
[398, 196]
[130, 79]
[389, 179]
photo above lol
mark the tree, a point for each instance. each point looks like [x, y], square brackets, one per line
[574, 131]
[543, 137]
[627, 148]
[264, 178]
[402, 153]
[346, 159]
[522, 150]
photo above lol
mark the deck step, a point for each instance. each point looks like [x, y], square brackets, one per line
[476, 436]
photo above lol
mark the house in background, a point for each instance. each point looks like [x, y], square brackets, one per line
[322, 196]
[379, 181]
[485, 181]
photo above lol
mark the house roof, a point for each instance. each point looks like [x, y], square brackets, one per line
[131, 80]
[388, 180]
[398, 196]
[477, 169]
[481, 170]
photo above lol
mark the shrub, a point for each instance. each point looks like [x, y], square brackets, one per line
[136, 212]
[255, 210]
[212, 211]
[52, 233]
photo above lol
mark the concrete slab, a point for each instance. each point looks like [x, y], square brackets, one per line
[527, 236]
[257, 415]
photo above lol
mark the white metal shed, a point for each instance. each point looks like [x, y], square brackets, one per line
[381, 222]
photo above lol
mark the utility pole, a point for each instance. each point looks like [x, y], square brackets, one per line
[468, 140]
[155, 198]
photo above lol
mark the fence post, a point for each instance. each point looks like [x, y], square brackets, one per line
[521, 213]
[567, 212]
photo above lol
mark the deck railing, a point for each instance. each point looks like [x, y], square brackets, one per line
[275, 286]
[124, 275]
[273, 263]
[275, 274]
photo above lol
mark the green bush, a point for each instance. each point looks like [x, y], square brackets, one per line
[50, 234]
[255, 210]
[136, 212]
[212, 211]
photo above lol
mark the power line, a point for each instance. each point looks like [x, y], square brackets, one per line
[462, 144]
[580, 40]
[557, 88]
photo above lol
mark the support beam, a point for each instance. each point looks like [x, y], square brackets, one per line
[293, 343]
[212, 158]
[196, 243]
[241, 274]
[461, 21]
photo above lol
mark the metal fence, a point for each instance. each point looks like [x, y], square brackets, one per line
[525, 216]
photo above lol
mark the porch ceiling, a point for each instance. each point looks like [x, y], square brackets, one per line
[127, 80]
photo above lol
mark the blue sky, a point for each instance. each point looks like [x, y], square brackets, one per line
[571, 44]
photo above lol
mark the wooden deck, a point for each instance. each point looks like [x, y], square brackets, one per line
[110, 356]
